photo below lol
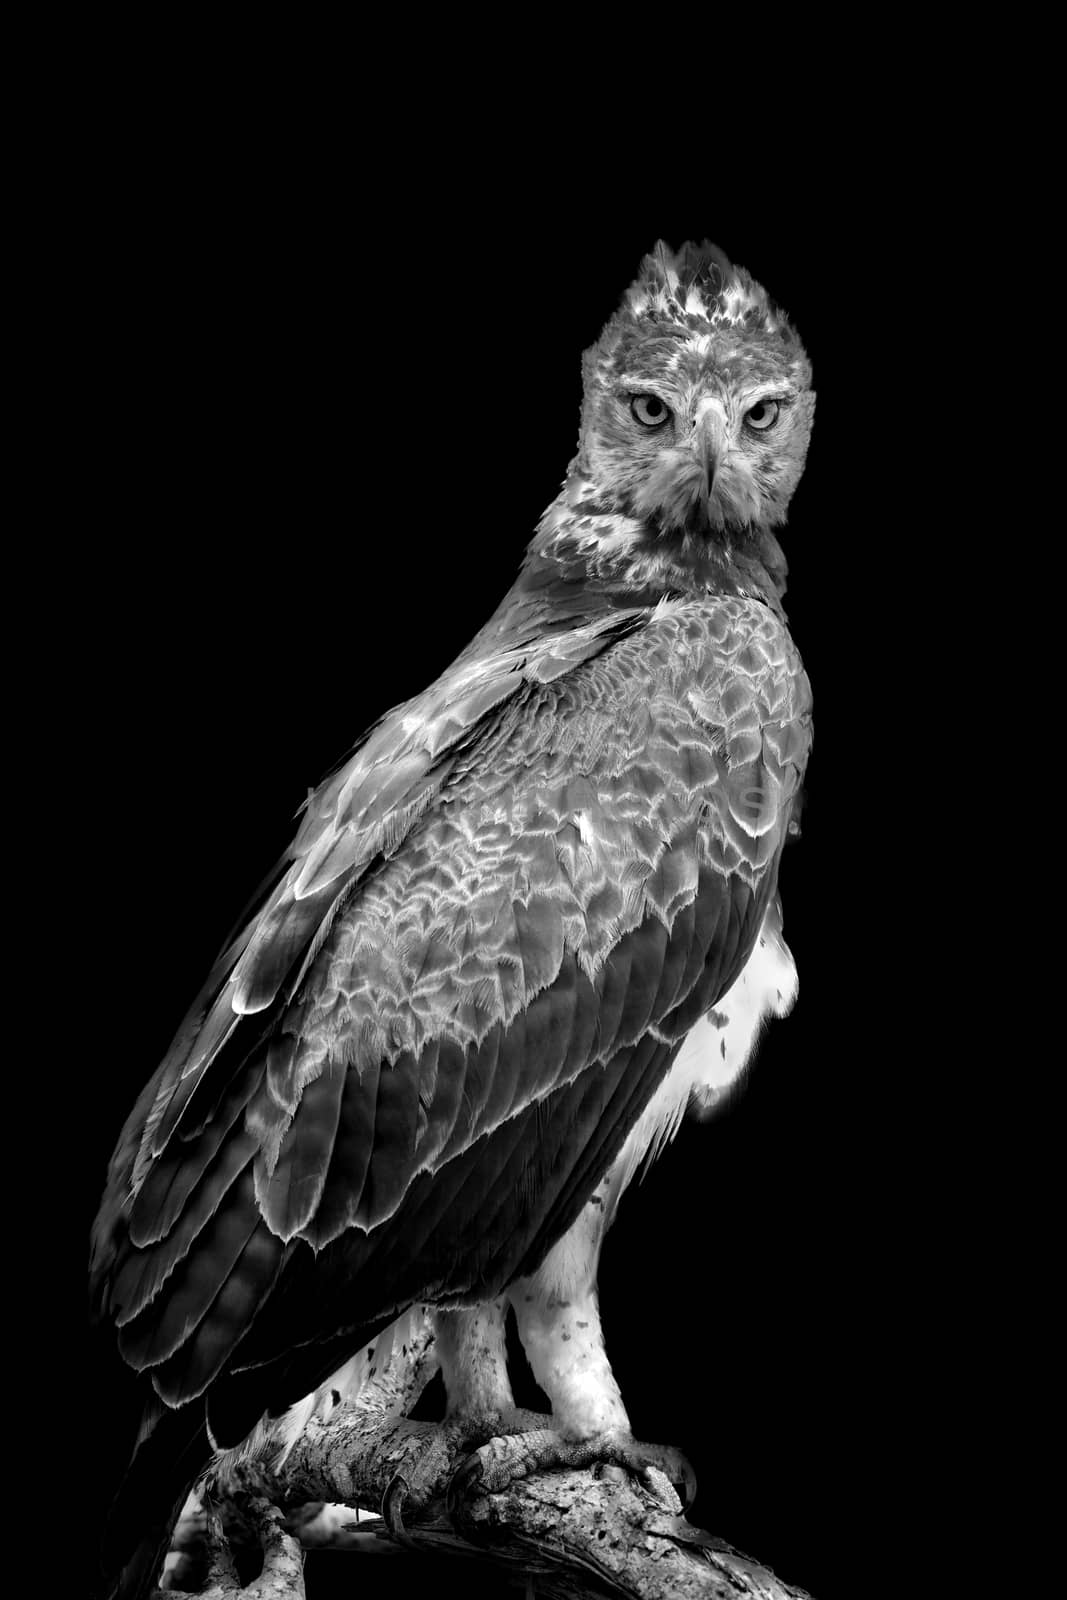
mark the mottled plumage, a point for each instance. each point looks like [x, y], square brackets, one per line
[457, 1018]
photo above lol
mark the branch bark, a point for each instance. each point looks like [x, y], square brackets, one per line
[570, 1534]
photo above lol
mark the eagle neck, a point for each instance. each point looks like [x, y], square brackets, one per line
[617, 560]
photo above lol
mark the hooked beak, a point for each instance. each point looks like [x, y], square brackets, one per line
[710, 444]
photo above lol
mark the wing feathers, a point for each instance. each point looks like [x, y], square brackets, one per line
[281, 937]
[611, 983]
[342, 1190]
[162, 1327]
[676, 959]
[586, 879]
[649, 949]
[180, 1080]
[294, 1188]
[538, 943]
[172, 1179]
[146, 1270]
[219, 1332]
[395, 1127]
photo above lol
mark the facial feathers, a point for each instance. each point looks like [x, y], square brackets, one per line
[695, 425]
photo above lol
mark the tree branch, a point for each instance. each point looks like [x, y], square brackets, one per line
[569, 1533]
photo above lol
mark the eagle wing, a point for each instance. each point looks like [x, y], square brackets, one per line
[497, 924]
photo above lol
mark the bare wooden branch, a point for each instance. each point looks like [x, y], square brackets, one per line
[571, 1534]
[577, 1532]
[282, 1574]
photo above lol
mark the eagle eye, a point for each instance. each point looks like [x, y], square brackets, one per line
[763, 415]
[649, 410]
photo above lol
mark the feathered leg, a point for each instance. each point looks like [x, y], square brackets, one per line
[472, 1349]
[558, 1318]
[559, 1323]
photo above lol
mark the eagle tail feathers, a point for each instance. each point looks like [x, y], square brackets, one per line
[171, 1453]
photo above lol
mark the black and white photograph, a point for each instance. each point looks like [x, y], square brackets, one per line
[485, 1185]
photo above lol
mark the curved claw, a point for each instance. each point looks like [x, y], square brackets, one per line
[662, 1490]
[676, 1468]
[396, 1492]
[462, 1483]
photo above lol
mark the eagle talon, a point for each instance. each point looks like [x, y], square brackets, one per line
[504, 1459]
[463, 1483]
[396, 1492]
[676, 1469]
[652, 1464]
[656, 1483]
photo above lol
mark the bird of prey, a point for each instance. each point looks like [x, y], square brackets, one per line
[530, 921]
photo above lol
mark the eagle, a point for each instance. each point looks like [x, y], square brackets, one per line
[528, 923]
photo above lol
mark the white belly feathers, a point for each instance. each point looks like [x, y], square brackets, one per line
[715, 1053]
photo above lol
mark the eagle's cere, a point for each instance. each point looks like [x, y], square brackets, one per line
[529, 922]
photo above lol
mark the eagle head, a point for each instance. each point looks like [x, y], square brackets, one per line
[697, 407]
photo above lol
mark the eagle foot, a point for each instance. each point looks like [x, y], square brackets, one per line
[502, 1460]
[431, 1451]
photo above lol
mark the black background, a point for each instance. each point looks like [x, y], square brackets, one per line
[327, 410]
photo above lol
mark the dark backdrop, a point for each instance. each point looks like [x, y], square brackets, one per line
[328, 421]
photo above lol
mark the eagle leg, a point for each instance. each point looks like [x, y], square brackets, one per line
[471, 1347]
[558, 1319]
